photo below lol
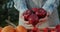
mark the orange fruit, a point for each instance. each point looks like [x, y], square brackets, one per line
[8, 29]
[21, 29]
[0, 29]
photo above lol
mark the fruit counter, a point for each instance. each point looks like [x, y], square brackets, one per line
[23, 29]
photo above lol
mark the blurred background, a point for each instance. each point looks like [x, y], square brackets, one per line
[9, 14]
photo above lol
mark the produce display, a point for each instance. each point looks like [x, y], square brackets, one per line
[23, 29]
[32, 16]
[8, 29]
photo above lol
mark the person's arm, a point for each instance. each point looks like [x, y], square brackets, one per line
[20, 5]
[50, 5]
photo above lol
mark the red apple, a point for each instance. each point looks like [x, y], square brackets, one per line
[26, 14]
[35, 30]
[45, 29]
[53, 30]
[41, 13]
[58, 28]
[35, 9]
[33, 19]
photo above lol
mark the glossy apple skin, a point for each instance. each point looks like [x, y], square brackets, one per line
[35, 30]
[33, 19]
[58, 28]
[46, 30]
[26, 14]
[41, 13]
[52, 30]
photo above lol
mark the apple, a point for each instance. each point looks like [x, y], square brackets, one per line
[35, 30]
[26, 14]
[33, 19]
[41, 13]
[58, 28]
[53, 30]
[45, 29]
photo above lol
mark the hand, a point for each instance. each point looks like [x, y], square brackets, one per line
[42, 20]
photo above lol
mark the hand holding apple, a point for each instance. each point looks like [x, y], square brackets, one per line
[35, 16]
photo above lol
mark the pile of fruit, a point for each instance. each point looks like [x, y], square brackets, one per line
[33, 15]
[23, 29]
